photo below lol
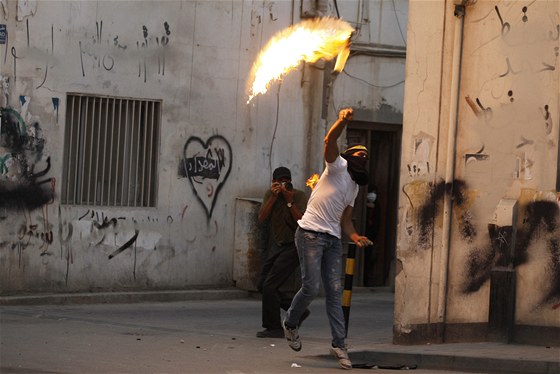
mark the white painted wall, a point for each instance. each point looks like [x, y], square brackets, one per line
[115, 48]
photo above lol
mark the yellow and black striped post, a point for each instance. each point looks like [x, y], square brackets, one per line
[348, 280]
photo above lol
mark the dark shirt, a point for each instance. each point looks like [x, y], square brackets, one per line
[282, 224]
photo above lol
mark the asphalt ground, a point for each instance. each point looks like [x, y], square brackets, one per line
[213, 331]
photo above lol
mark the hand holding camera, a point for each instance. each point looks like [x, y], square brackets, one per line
[288, 186]
[278, 187]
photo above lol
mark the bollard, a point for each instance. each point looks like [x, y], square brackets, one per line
[348, 280]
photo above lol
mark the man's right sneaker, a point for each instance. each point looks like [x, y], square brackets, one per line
[292, 336]
[342, 355]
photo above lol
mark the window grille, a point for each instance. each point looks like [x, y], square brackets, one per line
[111, 151]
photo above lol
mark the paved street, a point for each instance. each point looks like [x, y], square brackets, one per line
[176, 337]
[197, 336]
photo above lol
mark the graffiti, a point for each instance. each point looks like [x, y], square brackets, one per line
[486, 111]
[3, 33]
[46, 63]
[97, 226]
[505, 25]
[541, 221]
[523, 166]
[99, 52]
[28, 231]
[161, 57]
[55, 102]
[420, 164]
[99, 57]
[501, 247]
[509, 69]
[19, 184]
[125, 245]
[207, 166]
[427, 200]
[548, 120]
[524, 142]
[65, 231]
[21, 169]
[524, 18]
[478, 268]
[477, 156]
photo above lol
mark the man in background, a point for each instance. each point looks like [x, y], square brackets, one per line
[282, 206]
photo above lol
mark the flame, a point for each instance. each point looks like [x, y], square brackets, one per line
[312, 181]
[310, 40]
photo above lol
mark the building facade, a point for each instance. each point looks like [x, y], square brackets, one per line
[479, 225]
[127, 141]
[131, 160]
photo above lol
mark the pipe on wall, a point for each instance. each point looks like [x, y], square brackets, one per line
[450, 167]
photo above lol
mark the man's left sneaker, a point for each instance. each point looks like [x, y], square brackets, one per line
[342, 355]
[292, 336]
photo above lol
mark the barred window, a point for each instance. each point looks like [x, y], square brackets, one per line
[111, 148]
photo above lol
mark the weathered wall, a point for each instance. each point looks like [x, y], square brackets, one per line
[481, 126]
[195, 57]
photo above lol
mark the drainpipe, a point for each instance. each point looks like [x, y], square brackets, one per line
[459, 13]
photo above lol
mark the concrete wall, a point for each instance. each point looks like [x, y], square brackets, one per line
[480, 137]
[195, 57]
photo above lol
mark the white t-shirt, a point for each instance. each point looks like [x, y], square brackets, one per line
[333, 193]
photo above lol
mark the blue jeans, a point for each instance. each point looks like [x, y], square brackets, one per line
[319, 258]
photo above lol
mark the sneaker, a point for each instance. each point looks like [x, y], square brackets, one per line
[270, 333]
[304, 316]
[292, 336]
[342, 355]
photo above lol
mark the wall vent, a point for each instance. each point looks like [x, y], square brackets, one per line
[111, 149]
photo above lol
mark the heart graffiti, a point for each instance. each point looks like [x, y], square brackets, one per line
[207, 166]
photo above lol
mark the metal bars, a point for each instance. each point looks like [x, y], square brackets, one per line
[111, 147]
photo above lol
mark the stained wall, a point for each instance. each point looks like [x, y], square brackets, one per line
[194, 57]
[480, 168]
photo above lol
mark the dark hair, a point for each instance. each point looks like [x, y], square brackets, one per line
[281, 172]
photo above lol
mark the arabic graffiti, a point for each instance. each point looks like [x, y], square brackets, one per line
[207, 166]
[100, 52]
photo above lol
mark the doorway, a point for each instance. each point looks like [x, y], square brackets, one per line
[375, 264]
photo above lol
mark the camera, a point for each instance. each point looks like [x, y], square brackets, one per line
[288, 186]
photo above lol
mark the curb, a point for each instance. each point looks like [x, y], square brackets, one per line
[455, 362]
[123, 297]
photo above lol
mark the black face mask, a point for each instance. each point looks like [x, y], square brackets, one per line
[357, 167]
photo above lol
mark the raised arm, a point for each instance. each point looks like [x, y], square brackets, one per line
[331, 147]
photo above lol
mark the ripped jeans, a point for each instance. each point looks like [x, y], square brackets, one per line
[320, 259]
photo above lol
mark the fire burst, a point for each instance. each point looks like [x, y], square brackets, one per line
[312, 181]
[309, 41]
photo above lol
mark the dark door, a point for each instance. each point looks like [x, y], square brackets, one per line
[375, 265]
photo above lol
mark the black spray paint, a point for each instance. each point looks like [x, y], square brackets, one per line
[541, 219]
[25, 146]
[433, 206]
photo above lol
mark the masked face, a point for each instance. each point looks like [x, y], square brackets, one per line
[357, 167]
